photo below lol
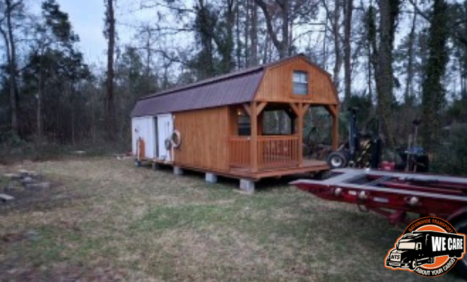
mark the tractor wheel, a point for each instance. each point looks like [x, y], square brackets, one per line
[337, 160]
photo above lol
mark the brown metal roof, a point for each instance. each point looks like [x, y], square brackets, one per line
[236, 89]
[233, 88]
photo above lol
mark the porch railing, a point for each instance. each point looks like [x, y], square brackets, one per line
[273, 152]
[277, 151]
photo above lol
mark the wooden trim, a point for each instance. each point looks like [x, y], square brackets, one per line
[254, 137]
[335, 129]
[261, 107]
[331, 109]
[300, 134]
[295, 108]
[247, 109]
[305, 108]
[296, 101]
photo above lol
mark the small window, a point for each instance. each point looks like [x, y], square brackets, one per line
[300, 83]
[244, 125]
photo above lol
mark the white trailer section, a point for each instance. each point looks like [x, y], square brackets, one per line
[165, 129]
[144, 128]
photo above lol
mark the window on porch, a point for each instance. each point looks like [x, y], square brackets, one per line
[277, 122]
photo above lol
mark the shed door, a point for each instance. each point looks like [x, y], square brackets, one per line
[144, 128]
[165, 129]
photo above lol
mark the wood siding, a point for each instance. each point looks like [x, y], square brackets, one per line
[205, 136]
[277, 84]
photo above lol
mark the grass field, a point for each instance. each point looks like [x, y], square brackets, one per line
[105, 220]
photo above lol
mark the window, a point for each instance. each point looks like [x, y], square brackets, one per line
[244, 125]
[300, 83]
[277, 122]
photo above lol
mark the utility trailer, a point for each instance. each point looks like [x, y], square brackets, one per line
[394, 194]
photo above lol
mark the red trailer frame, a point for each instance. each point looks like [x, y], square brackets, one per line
[393, 194]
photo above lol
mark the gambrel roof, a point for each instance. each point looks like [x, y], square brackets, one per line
[229, 89]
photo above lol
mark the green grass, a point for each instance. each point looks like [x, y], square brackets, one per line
[106, 220]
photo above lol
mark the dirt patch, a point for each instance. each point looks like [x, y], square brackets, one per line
[29, 190]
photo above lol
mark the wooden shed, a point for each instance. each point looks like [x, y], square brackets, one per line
[220, 122]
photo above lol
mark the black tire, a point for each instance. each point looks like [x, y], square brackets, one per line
[337, 160]
[461, 227]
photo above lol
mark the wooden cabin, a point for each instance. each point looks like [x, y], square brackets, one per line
[217, 125]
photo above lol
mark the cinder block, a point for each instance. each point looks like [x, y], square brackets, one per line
[178, 170]
[247, 185]
[6, 198]
[211, 178]
[155, 166]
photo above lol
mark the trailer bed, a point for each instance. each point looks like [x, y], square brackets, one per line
[392, 194]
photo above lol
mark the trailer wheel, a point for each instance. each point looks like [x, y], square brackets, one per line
[461, 227]
[337, 160]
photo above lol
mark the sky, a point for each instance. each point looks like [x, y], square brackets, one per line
[87, 19]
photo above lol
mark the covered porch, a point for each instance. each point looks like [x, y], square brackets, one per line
[256, 151]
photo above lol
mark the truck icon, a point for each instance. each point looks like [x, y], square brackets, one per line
[422, 247]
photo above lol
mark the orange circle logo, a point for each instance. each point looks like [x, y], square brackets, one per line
[429, 246]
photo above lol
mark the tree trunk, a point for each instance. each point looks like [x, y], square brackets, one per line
[238, 49]
[39, 102]
[110, 106]
[348, 9]
[285, 44]
[433, 93]
[337, 49]
[384, 70]
[408, 93]
[11, 47]
[254, 34]
[282, 45]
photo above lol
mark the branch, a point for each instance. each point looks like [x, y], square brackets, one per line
[271, 32]
[418, 11]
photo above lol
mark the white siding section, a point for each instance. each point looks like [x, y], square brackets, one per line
[165, 127]
[144, 127]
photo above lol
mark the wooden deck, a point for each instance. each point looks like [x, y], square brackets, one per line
[308, 166]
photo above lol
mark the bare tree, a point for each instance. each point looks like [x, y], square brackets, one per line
[110, 34]
[282, 45]
[333, 17]
[348, 10]
[8, 9]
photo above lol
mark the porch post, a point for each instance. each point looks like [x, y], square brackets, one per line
[254, 137]
[300, 134]
[335, 128]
